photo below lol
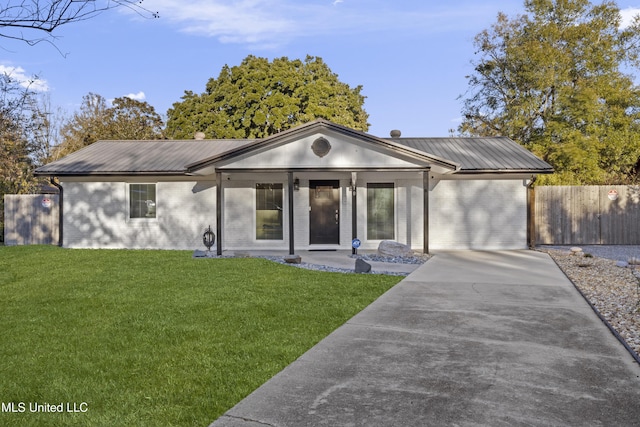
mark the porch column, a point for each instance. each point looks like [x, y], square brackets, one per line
[354, 209]
[425, 211]
[291, 241]
[219, 212]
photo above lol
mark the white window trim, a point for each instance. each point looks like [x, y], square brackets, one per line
[395, 209]
[254, 219]
[128, 202]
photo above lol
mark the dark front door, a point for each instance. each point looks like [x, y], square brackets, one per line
[324, 212]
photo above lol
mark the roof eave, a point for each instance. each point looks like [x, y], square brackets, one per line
[111, 173]
[505, 171]
[192, 168]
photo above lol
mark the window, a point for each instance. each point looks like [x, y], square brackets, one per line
[269, 211]
[380, 211]
[142, 200]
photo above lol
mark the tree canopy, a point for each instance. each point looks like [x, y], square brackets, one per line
[125, 119]
[22, 127]
[21, 124]
[556, 80]
[259, 98]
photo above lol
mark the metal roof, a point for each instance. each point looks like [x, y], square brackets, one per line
[180, 157]
[494, 154]
[140, 157]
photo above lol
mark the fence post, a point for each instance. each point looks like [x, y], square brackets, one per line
[531, 215]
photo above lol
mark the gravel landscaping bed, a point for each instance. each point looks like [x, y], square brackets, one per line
[318, 267]
[614, 291]
[417, 259]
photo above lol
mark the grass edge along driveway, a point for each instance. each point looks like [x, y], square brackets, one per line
[148, 338]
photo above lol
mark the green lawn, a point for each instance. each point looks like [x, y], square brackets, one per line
[156, 338]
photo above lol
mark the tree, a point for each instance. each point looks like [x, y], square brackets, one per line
[45, 130]
[23, 19]
[553, 80]
[259, 98]
[20, 117]
[125, 119]
[85, 127]
[132, 119]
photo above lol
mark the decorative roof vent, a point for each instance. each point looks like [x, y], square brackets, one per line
[395, 133]
[321, 147]
[199, 136]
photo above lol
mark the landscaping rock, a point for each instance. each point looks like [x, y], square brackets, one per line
[622, 264]
[576, 250]
[612, 290]
[394, 249]
[203, 254]
[362, 266]
[293, 259]
[199, 254]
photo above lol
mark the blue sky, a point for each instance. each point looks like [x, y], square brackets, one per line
[410, 56]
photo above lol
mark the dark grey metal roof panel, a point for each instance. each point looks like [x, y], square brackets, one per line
[495, 154]
[465, 155]
[139, 157]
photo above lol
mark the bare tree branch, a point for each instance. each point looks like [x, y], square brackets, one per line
[21, 19]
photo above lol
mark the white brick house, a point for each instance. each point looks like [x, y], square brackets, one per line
[317, 186]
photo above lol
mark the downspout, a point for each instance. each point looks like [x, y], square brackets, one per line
[60, 210]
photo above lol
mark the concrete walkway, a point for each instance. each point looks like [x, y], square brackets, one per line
[468, 339]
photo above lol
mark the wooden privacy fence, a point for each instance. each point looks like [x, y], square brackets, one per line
[31, 219]
[586, 215]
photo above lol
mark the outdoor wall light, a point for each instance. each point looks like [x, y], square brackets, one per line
[296, 184]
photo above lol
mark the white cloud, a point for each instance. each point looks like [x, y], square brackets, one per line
[244, 21]
[627, 16]
[270, 23]
[140, 96]
[19, 75]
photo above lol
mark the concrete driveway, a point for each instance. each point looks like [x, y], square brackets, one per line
[468, 339]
